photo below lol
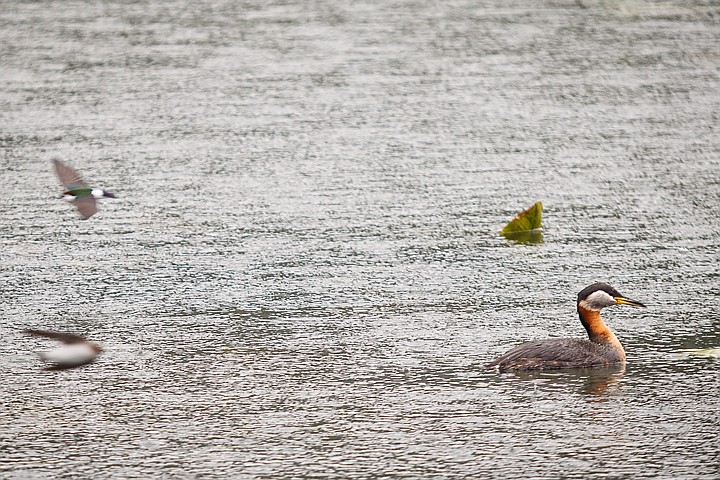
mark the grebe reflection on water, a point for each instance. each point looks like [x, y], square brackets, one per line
[601, 348]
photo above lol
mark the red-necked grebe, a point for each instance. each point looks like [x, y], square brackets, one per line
[602, 348]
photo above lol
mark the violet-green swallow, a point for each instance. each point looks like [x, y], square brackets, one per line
[77, 191]
[75, 351]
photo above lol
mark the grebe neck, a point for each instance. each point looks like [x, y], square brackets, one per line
[598, 331]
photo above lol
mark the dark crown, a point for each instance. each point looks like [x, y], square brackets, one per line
[587, 291]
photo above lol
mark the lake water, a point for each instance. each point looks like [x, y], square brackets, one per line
[303, 277]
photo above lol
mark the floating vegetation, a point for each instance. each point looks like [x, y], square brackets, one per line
[701, 352]
[526, 227]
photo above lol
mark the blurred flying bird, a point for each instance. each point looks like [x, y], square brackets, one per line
[75, 351]
[77, 191]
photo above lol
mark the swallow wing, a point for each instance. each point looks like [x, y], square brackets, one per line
[67, 338]
[60, 366]
[86, 206]
[68, 176]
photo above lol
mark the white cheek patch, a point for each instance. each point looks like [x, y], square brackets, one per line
[597, 300]
[97, 193]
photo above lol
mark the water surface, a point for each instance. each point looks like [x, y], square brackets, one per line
[303, 276]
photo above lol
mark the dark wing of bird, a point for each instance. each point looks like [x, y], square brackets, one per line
[86, 206]
[550, 354]
[68, 338]
[66, 367]
[68, 176]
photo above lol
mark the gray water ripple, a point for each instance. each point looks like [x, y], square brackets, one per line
[303, 275]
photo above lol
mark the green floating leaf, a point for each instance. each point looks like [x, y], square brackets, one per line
[702, 352]
[533, 236]
[529, 221]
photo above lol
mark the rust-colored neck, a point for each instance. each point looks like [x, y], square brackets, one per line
[598, 331]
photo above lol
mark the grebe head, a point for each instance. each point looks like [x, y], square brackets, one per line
[601, 295]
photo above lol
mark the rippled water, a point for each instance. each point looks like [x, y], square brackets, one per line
[303, 276]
